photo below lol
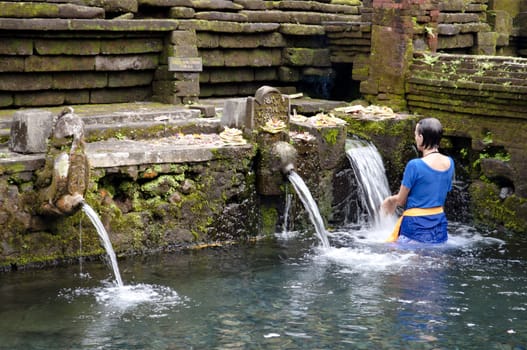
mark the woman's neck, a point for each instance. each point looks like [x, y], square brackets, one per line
[429, 151]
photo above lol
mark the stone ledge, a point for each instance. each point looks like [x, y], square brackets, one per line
[109, 154]
[38, 24]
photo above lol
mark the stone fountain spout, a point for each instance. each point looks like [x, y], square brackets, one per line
[285, 155]
[63, 180]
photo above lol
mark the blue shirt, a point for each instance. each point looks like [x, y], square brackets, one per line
[428, 189]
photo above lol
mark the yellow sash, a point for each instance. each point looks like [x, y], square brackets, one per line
[412, 212]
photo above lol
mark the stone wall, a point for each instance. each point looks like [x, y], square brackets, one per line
[293, 45]
[181, 197]
[402, 28]
[175, 51]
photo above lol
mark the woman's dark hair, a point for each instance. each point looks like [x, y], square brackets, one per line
[431, 130]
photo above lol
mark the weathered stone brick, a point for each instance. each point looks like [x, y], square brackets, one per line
[133, 62]
[76, 11]
[79, 80]
[30, 131]
[58, 63]
[6, 100]
[183, 37]
[251, 4]
[486, 43]
[267, 16]
[187, 88]
[320, 72]
[288, 74]
[212, 58]
[207, 40]
[120, 5]
[457, 41]
[184, 51]
[265, 74]
[76, 97]
[163, 88]
[114, 25]
[162, 73]
[231, 75]
[254, 58]
[301, 29]
[501, 22]
[452, 6]
[204, 77]
[221, 16]
[458, 17]
[25, 82]
[448, 29]
[306, 57]
[29, 10]
[181, 12]
[39, 98]
[219, 90]
[122, 79]
[120, 95]
[16, 46]
[252, 40]
[186, 76]
[131, 46]
[11, 64]
[67, 47]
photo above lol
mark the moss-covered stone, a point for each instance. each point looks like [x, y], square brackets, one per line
[492, 212]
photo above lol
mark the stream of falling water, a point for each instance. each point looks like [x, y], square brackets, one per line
[371, 178]
[105, 240]
[310, 205]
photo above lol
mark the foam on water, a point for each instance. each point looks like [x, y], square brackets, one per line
[364, 249]
[367, 258]
[116, 298]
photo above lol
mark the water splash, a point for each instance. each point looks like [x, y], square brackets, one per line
[310, 206]
[105, 239]
[288, 199]
[371, 176]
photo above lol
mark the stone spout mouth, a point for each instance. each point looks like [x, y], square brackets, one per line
[288, 168]
[286, 155]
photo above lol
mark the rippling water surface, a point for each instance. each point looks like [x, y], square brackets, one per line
[281, 293]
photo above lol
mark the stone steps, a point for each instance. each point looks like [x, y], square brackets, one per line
[478, 85]
[135, 121]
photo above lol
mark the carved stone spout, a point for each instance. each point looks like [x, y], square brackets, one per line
[64, 178]
[285, 154]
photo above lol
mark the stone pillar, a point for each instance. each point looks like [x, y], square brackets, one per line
[393, 30]
[30, 131]
[522, 24]
[268, 118]
[177, 77]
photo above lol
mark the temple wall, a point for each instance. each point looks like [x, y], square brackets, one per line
[175, 51]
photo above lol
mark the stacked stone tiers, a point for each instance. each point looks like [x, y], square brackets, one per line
[468, 84]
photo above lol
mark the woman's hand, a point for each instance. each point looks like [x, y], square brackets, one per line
[388, 205]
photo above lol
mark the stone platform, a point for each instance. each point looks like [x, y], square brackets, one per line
[146, 133]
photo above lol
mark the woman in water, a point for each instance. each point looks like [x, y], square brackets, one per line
[426, 182]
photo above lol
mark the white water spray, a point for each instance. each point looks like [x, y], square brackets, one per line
[310, 206]
[371, 177]
[104, 239]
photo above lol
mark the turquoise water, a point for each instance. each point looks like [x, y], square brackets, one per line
[280, 293]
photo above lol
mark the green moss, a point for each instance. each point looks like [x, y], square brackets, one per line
[492, 212]
[347, 2]
[330, 135]
[269, 218]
